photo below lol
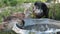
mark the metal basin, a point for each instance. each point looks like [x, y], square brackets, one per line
[38, 26]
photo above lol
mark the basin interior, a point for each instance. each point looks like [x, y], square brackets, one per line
[41, 27]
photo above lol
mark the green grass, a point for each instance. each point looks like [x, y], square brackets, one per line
[57, 11]
[7, 32]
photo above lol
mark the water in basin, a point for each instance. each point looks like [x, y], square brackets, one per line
[39, 25]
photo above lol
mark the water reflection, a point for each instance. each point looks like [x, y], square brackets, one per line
[41, 27]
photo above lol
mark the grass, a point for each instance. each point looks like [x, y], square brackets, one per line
[7, 32]
[57, 11]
